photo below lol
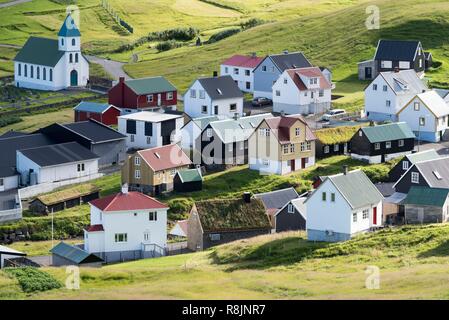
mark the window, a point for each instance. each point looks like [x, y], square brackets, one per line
[137, 174]
[38, 73]
[354, 217]
[233, 107]
[247, 73]
[62, 41]
[377, 146]
[290, 208]
[297, 131]
[202, 94]
[148, 140]
[204, 109]
[264, 68]
[306, 146]
[1, 182]
[209, 132]
[248, 85]
[153, 216]
[285, 81]
[150, 98]
[405, 165]
[265, 162]
[278, 93]
[422, 121]
[385, 88]
[404, 65]
[172, 172]
[420, 63]
[76, 57]
[416, 106]
[386, 64]
[226, 70]
[336, 147]
[285, 148]
[415, 177]
[333, 197]
[169, 95]
[51, 74]
[321, 93]
[146, 236]
[19, 71]
[360, 133]
[323, 196]
[264, 132]
[137, 161]
[326, 149]
[292, 148]
[26, 70]
[31, 72]
[73, 42]
[236, 70]
[401, 143]
[375, 87]
[70, 58]
[388, 144]
[214, 237]
[44, 73]
[192, 93]
[388, 103]
[131, 137]
[80, 167]
[311, 94]
[121, 237]
[365, 214]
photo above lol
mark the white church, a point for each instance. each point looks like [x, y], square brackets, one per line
[49, 64]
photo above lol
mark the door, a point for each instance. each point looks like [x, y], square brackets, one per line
[74, 78]
[159, 99]
[368, 73]
[146, 237]
[292, 165]
[375, 216]
[303, 163]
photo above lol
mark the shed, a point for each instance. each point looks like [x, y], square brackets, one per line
[64, 254]
[63, 199]
[426, 205]
[188, 180]
[8, 253]
[102, 112]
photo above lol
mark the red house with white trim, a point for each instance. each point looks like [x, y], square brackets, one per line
[150, 94]
[102, 112]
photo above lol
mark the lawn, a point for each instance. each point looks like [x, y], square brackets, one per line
[412, 262]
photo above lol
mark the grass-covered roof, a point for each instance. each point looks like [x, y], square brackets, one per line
[67, 194]
[227, 215]
[336, 135]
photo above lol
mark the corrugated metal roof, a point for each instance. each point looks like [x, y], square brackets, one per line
[219, 88]
[436, 172]
[388, 132]
[202, 122]
[403, 50]
[190, 175]
[435, 103]
[94, 107]
[426, 196]
[292, 60]
[150, 85]
[70, 253]
[423, 156]
[278, 198]
[357, 188]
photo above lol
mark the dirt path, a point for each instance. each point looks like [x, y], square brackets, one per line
[13, 3]
[114, 68]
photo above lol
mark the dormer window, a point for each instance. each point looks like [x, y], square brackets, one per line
[219, 91]
[313, 81]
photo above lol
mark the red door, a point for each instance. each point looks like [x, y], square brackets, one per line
[303, 163]
[292, 165]
[375, 215]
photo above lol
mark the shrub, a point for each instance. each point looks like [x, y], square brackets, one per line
[180, 34]
[32, 280]
[251, 23]
[7, 120]
[167, 45]
[223, 34]
[377, 173]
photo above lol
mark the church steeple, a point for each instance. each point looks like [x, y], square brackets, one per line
[69, 35]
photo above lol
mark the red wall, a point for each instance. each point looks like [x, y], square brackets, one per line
[108, 118]
[123, 97]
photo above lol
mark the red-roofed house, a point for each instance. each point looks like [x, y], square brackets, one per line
[281, 145]
[126, 226]
[240, 68]
[152, 170]
[302, 91]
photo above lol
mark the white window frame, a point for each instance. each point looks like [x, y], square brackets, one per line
[290, 208]
[169, 95]
[386, 64]
[326, 149]
[202, 94]
[118, 235]
[415, 177]
[192, 93]
[209, 133]
[149, 98]
[137, 174]
[137, 161]
[405, 165]
[204, 111]
[365, 214]
[377, 146]
[336, 147]
[148, 140]
[401, 143]
[297, 132]
[354, 217]
[388, 145]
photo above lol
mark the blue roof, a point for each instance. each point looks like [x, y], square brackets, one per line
[92, 107]
[69, 28]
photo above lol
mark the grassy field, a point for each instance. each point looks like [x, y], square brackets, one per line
[412, 261]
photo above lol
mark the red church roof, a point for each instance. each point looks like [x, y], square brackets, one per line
[243, 61]
[127, 202]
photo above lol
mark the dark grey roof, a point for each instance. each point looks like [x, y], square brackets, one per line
[386, 188]
[221, 87]
[442, 92]
[57, 154]
[277, 199]
[396, 50]
[9, 146]
[292, 60]
[432, 168]
[94, 131]
[12, 133]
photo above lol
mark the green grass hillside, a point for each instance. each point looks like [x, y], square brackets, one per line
[412, 261]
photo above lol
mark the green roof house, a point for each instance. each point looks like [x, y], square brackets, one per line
[52, 64]
[426, 205]
[188, 180]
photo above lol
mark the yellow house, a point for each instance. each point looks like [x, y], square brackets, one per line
[152, 170]
[281, 145]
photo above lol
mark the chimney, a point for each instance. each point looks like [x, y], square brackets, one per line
[215, 74]
[253, 55]
[125, 188]
[345, 169]
[285, 51]
[247, 197]
[121, 79]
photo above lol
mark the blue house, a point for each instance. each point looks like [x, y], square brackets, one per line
[271, 67]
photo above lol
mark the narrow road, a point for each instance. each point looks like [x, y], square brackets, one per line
[114, 68]
[13, 3]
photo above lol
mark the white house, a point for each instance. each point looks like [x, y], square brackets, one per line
[192, 130]
[427, 114]
[303, 90]
[219, 96]
[55, 163]
[50, 64]
[241, 68]
[342, 206]
[390, 92]
[148, 129]
[126, 226]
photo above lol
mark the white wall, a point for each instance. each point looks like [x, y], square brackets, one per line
[10, 183]
[189, 133]
[241, 77]
[376, 100]
[193, 106]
